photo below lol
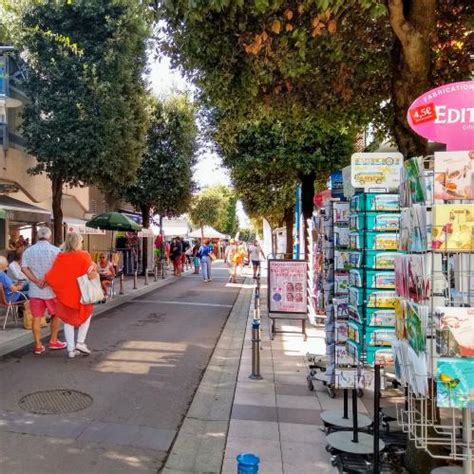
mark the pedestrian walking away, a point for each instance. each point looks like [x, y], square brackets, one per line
[176, 251]
[71, 264]
[255, 251]
[205, 254]
[36, 262]
[229, 259]
[196, 259]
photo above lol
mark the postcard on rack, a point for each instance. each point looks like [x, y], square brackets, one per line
[455, 382]
[454, 175]
[454, 331]
[453, 228]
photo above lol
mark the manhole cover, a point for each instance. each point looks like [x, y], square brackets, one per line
[55, 402]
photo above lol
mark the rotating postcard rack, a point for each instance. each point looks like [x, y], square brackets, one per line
[434, 345]
[374, 224]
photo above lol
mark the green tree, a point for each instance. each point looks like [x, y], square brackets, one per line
[338, 59]
[208, 207]
[229, 223]
[86, 121]
[164, 182]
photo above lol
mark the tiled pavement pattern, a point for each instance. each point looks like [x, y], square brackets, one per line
[278, 418]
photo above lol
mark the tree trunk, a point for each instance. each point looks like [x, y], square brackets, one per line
[57, 193]
[412, 21]
[145, 210]
[307, 196]
[289, 218]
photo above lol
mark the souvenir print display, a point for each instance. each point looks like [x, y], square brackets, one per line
[455, 382]
[374, 242]
[453, 228]
[454, 175]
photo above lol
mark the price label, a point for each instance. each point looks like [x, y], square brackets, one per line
[424, 113]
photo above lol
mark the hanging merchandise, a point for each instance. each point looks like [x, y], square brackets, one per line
[374, 238]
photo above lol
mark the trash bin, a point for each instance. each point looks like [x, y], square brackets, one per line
[247, 463]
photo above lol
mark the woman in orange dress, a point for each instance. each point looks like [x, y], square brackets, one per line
[70, 264]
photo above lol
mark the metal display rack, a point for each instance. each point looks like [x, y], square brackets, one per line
[432, 305]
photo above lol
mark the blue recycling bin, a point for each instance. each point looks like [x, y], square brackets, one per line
[247, 463]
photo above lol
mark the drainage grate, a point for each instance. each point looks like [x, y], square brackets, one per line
[55, 402]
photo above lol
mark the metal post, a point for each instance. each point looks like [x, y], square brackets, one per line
[135, 279]
[346, 404]
[256, 350]
[376, 460]
[146, 276]
[121, 283]
[297, 246]
[467, 438]
[355, 427]
[155, 273]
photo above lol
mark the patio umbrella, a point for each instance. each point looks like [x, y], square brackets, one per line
[113, 221]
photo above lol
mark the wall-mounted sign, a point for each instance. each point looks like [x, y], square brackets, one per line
[372, 171]
[287, 286]
[446, 115]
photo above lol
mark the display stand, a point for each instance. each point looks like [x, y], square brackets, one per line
[434, 350]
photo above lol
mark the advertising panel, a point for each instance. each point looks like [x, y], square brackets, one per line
[287, 286]
[372, 171]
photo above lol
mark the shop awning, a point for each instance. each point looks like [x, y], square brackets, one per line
[74, 224]
[19, 211]
[209, 233]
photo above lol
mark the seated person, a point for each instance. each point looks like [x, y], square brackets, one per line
[10, 288]
[106, 272]
[15, 270]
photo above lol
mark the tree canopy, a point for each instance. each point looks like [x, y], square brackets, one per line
[164, 182]
[86, 118]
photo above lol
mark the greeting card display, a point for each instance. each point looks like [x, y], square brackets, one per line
[454, 331]
[455, 382]
[413, 184]
[415, 225]
[453, 228]
[454, 175]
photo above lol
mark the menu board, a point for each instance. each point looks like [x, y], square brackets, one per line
[372, 171]
[287, 286]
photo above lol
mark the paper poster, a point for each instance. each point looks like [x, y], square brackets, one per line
[376, 170]
[453, 228]
[287, 286]
[455, 382]
[454, 175]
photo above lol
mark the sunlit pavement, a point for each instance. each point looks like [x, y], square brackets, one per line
[147, 361]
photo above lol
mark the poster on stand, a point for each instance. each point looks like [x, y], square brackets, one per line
[374, 171]
[287, 286]
[455, 382]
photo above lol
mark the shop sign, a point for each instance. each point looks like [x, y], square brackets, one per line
[445, 115]
[374, 171]
[83, 230]
[287, 286]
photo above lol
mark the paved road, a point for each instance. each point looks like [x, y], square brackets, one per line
[148, 358]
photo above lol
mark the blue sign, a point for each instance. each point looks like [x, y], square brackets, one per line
[336, 184]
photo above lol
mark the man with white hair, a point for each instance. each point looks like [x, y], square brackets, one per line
[36, 262]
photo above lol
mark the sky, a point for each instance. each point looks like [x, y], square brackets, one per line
[209, 170]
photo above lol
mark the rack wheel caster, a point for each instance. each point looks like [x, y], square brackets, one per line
[331, 392]
[360, 393]
[310, 383]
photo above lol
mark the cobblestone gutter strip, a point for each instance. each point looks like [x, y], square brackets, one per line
[200, 444]
[23, 339]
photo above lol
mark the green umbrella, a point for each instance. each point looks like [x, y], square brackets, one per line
[113, 221]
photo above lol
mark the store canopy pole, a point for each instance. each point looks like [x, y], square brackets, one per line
[296, 251]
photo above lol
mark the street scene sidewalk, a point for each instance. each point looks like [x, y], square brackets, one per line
[15, 337]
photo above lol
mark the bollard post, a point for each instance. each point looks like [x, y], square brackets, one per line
[146, 276]
[155, 273]
[121, 284]
[247, 463]
[255, 375]
[135, 279]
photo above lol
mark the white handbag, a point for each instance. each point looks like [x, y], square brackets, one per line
[91, 290]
